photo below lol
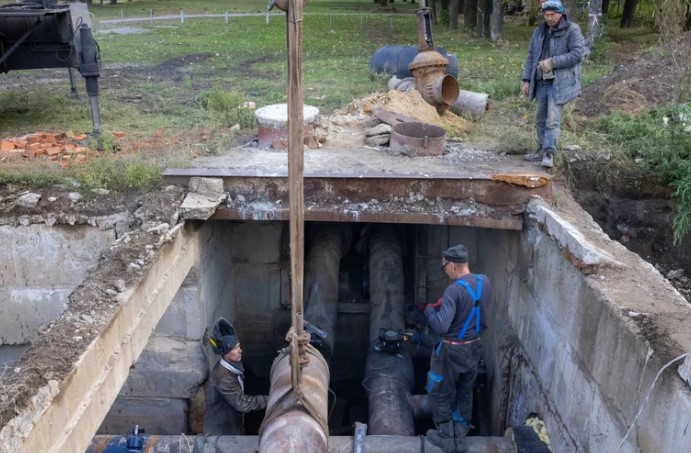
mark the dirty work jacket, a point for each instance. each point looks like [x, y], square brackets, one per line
[226, 403]
[567, 47]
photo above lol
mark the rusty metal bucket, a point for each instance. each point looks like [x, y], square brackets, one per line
[417, 139]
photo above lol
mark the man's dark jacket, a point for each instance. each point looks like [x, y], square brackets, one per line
[226, 403]
[567, 47]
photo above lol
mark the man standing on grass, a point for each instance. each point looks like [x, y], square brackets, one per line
[552, 75]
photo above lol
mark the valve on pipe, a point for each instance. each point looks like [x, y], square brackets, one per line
[429, 66]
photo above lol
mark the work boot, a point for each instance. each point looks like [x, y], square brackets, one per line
[443, 436]
[460, 431]
[536, 156]
[548, 159]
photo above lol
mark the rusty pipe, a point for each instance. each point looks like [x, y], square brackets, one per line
[389, 376]
[296, 420]
[328, 243]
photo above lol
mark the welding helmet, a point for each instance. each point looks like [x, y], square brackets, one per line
[223, 337]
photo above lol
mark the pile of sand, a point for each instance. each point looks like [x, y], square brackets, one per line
[409, 104]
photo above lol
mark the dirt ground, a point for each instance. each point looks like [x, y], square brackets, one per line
[642, 80]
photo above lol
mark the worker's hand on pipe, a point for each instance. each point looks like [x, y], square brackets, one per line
[436, 305]
[526, 89]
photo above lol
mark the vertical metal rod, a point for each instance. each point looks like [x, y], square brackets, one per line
[295, 181]
[267, 18]
[361, 23]
[330, 22]
[151, 16]
[182, 17]
[122, 14]
[73, 83]
[226, 17]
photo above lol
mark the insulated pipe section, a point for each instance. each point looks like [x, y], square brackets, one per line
[296, 421]
[389, 377]
[328, 243]
[386, 295]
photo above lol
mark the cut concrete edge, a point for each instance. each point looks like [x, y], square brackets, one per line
[66, 415]
[205, 196]
[577, 248]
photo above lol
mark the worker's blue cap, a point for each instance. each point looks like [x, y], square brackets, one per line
[553, 5]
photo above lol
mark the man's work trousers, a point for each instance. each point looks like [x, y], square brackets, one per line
[548, 117]
[453, 369]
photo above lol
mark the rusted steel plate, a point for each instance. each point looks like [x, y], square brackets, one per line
[268, 212]
[530, 181]
[337, 189]
[391, 118]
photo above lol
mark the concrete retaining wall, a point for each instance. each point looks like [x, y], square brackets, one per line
[582, 363]
[39, 267]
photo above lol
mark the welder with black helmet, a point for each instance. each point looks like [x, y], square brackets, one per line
[226, 402]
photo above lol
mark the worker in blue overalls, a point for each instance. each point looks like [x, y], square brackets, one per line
[458, 318]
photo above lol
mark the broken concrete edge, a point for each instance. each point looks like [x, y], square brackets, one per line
[575, 247]
[48, 366]
[204, 197]
[102, 222]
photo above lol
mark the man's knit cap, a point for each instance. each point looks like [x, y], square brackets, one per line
[553, 5]
[456, 254]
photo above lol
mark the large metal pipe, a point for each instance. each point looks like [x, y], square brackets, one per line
[328, 243]
[389, 376]
[249, 444]
[296, 421]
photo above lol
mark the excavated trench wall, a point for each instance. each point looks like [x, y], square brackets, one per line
[560, 343]
[40, 265]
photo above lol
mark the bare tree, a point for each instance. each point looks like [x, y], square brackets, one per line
[484, 9]
[628, 13]
[594, 25]
[496, 20]
[453, 14]
[470, 14]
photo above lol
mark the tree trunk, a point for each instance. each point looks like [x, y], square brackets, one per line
[470, 14]
[484, 10]
[444, 11]
[571, 9]
[605, 8]
[533, 9]
[628, 13]
[496, 20]
[594, 25]
[453, 15]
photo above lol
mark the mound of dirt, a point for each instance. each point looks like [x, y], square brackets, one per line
[648, 80]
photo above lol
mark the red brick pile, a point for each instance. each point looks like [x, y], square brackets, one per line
[63, 147]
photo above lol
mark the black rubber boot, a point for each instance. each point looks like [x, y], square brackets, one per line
[459, 434]
[443, 436]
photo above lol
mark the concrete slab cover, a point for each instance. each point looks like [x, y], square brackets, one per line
[205, 195]
[276, 115]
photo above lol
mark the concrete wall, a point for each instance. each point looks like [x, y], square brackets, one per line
[579, 362]
[39, 267]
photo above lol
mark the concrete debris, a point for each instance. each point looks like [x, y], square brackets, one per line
[206, 194]
[86, 318]
[379, 129]
[120, 285]
[101, 191]
[52, 199]
[74, 196]
[160, 229]
[29, 200]
[675, 274]
[572, 148]
[378, 140]
[111, 292]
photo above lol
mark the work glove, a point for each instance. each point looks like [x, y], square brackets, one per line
[546, 65]
[436, 305]
[418, 338]
[415, 315]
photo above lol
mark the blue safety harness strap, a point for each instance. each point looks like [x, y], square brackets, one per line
[476, 306]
